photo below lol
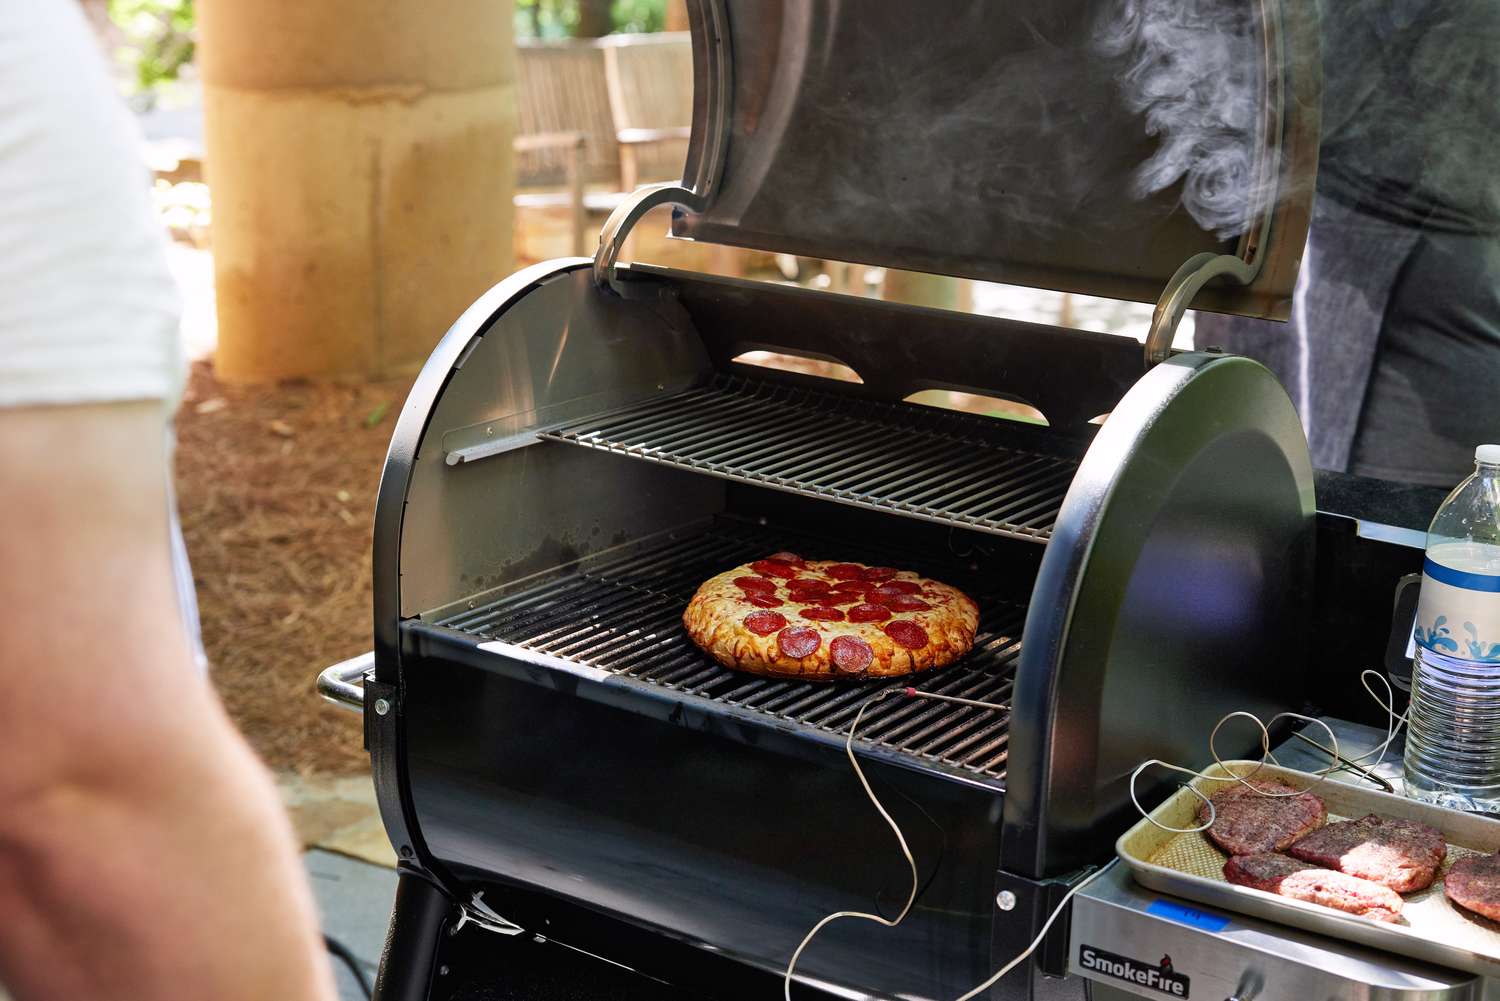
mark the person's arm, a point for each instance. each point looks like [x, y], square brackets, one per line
[143, 853]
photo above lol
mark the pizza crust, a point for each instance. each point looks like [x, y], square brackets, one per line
[715, 620]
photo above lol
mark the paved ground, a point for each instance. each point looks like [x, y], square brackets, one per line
[337, 813]
[354, 899]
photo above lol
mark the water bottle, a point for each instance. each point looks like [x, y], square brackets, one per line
[1453, 731]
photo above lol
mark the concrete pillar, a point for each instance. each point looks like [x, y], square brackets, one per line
[919, 289]
[360, 160]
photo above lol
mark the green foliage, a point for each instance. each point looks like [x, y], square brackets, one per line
[639, 15]
[159, 34]
[559, 18]
[159, 39]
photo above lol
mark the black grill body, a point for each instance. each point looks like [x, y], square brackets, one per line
[573, 462]
[589, 443]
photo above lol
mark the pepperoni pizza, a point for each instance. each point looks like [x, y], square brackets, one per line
[820, 620]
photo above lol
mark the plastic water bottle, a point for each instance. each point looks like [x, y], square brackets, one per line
[1453, 733]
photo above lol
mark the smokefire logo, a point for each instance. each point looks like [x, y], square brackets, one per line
[1157, 978]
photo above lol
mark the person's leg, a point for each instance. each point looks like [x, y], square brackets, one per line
[1324, 354]
[1437, 374]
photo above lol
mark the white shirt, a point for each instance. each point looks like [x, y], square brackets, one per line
[89, 311]
[88, 308]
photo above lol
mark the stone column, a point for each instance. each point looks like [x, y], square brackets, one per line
[920, 289]
[359, 156]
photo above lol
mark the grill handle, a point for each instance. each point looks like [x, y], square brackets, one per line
[343, 684]
[623, 219]
[1195, 273]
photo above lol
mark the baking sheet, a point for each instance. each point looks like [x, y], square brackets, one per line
[1431, 928]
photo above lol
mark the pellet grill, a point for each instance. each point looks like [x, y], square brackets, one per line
[589, 442]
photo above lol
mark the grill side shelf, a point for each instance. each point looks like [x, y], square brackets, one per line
[942, 467]
[621, 615]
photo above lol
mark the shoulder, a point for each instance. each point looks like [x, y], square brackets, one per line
[90, 311]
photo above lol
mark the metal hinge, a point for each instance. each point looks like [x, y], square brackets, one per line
[480, 914]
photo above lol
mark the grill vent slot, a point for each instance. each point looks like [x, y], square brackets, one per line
[622, 613]
[943, 467]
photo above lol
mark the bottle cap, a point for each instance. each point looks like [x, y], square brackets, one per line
[1487, 454]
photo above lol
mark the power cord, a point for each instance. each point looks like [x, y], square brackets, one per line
[912, 693]
[346, 955]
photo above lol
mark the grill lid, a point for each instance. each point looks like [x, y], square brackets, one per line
[1083, 145]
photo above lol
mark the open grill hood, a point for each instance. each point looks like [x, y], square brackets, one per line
[1091, 146]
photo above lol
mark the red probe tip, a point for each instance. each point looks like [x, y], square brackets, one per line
[911, 693]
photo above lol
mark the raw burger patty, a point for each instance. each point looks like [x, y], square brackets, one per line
[1402, 854]
[1247, 824]
[1290, 878]
[1473, 883]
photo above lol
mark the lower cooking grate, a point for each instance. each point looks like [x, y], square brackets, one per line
[621, 612]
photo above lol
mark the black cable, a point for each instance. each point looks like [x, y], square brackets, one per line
[342, 952]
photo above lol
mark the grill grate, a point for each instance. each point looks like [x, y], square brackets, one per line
[922, 462]
[621, 612]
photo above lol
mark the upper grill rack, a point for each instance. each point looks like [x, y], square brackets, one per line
[622, 613]
[922, 462]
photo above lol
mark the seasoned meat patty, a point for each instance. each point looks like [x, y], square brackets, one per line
[1290, 878]
[1474, 884]
[1402, 854]
[1247, 823]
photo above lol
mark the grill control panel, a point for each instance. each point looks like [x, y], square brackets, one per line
[1132, 942]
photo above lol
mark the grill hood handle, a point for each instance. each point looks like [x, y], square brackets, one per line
[623, 219]
[1196, 272]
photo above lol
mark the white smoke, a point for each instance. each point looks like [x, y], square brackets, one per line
[1191, 68]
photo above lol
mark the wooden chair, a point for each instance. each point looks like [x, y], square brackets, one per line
[650, 79]
[597, 117]
[564, 143]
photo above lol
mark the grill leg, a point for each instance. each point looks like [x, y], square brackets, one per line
[411, 942]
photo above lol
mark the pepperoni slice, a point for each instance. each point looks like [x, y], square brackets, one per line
[845, 571]
[900, 602]
[852, 586]
[869, 613]
[907, 633]
[798, 641]
[807, 590]
[773, 568]
[851, 655]
[898, 587]
[757, 585]
[822, 613]
[878, 573]
[764, 623]
[763, 600]
[792, 558]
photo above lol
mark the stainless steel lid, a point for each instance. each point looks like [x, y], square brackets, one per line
[1084, 145]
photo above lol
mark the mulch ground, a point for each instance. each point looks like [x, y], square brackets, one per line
[276, 489]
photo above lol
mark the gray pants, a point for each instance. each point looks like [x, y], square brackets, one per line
[1392, 353]
[1325, 353]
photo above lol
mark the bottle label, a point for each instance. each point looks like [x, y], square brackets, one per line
[1458, 614]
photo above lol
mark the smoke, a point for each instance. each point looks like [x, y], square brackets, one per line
[1001, 109]
[1411, 121]
[1191, 69]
